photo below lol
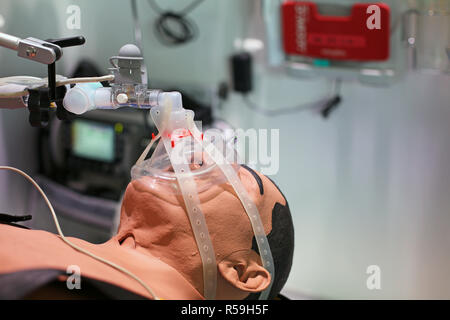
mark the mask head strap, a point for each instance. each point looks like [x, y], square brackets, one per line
[170, 117]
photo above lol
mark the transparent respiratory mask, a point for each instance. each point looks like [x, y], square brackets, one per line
[192, 162]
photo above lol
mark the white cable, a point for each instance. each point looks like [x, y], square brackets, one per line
[21, 79]
[74, 246]
[84, 80]
[17, 94]
[60, 83]
[138, 39]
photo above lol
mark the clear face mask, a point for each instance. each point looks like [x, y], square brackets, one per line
[190, 162]
[205, 173]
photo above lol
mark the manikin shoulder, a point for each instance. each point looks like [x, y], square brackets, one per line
[25, 250]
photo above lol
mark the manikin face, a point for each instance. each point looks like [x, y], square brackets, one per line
[154, 220]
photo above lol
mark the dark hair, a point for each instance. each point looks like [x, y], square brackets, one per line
[281, 241]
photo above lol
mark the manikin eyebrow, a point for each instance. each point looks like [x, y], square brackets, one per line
[257, 178]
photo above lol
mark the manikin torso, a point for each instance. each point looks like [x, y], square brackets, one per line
[154, 242]
[25, 250]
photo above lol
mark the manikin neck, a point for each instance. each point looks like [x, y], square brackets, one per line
[129, 242]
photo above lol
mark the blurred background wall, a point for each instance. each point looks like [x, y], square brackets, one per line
[370, 185]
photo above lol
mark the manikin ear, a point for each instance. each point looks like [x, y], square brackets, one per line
[243, 270]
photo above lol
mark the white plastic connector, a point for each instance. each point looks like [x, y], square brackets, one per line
[81, 98]
[103, 98]
[122, 98]
[174, 97]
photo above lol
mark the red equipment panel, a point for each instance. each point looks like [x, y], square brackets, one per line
[362, 36]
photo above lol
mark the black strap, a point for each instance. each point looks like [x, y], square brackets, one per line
[257, 178]
[10, 219]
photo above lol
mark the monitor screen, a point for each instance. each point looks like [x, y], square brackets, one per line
[93, 140]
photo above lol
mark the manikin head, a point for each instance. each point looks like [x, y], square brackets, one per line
[153, 218]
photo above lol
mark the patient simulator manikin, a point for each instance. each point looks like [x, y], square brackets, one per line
[193, 225]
